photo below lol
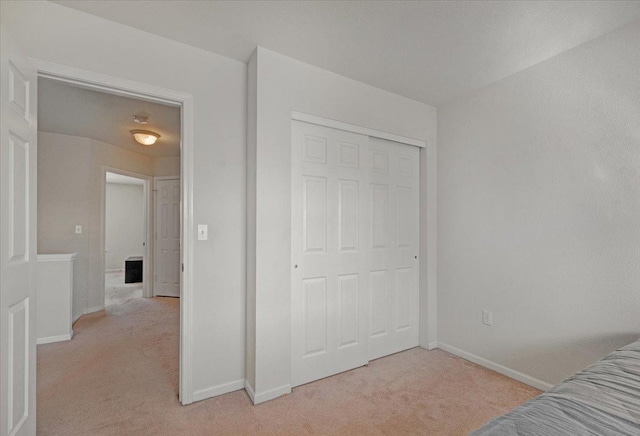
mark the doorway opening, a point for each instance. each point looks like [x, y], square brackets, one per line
[125, 238]
[90, 166]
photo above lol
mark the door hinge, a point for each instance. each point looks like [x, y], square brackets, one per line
[183, 267]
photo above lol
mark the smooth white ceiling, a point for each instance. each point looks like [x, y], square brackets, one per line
[70, 110]
[123, 180]
[432, 52]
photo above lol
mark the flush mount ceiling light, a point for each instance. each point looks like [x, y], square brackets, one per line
[145, 137]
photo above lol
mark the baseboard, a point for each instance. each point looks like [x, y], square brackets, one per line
[94, 309]
[214, 391]
[250, 392]
[50, 339]
[432, 345]
[261, 397]
[511, 373]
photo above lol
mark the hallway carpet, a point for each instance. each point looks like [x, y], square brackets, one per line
[116, 291]
[118, 376]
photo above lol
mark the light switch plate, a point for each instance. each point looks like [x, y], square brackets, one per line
[487, 317]
[203, 232]
[78, 229]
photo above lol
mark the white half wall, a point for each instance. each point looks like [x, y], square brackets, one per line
[124, 223]
[54, 33]
[69, 194]
[539, 212]
[279, 85]
[54, 298]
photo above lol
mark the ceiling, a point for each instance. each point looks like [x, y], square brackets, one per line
[433, 52]
[123, 180]
[71, 110]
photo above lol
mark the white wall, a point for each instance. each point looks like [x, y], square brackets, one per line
[69, 193]
[51, 32]
[166, 166]
[280, 85]
[539, 211]
[124, 223]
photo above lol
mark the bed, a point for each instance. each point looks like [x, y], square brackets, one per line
[602, 399]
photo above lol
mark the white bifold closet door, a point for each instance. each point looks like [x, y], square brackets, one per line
[355, 220]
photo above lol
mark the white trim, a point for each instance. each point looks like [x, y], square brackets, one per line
[92, 310]
[109, 84]
[50, 339]
[186, 239]
[147, 265]
[268, 395]
[511, 373]
[326, 122]
[432, 345]
[113, 270]
[214, 391]
[130, 88]
[56, 257]
[249, 389]
[156, 178]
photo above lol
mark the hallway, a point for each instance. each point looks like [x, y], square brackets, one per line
[121, 361]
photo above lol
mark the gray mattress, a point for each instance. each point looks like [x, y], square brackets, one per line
[603, 399]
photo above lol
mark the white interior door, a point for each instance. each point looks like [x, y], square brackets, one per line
[18, 153]
[354, 250]
[330, 288]
[167, 251]
[394, 177]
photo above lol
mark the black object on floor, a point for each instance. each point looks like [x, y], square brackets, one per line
[133, 269]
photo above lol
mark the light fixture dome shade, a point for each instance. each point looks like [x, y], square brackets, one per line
[145, 137]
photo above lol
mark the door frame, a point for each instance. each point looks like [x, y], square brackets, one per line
[347, 127]
[144, 91]
[155, 224]
[147, 212]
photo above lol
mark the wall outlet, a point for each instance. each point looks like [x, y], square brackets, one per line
[487, 317]
[78, 229]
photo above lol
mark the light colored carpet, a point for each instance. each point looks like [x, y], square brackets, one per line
[116, 291]
[118, 376]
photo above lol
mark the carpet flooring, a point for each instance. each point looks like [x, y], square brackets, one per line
[116, 291]
[119, 376]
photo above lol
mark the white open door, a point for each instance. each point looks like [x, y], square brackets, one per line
[18, 151]
[167, 252]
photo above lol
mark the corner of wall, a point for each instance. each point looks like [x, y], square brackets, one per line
[250, 339]
[428, 240]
